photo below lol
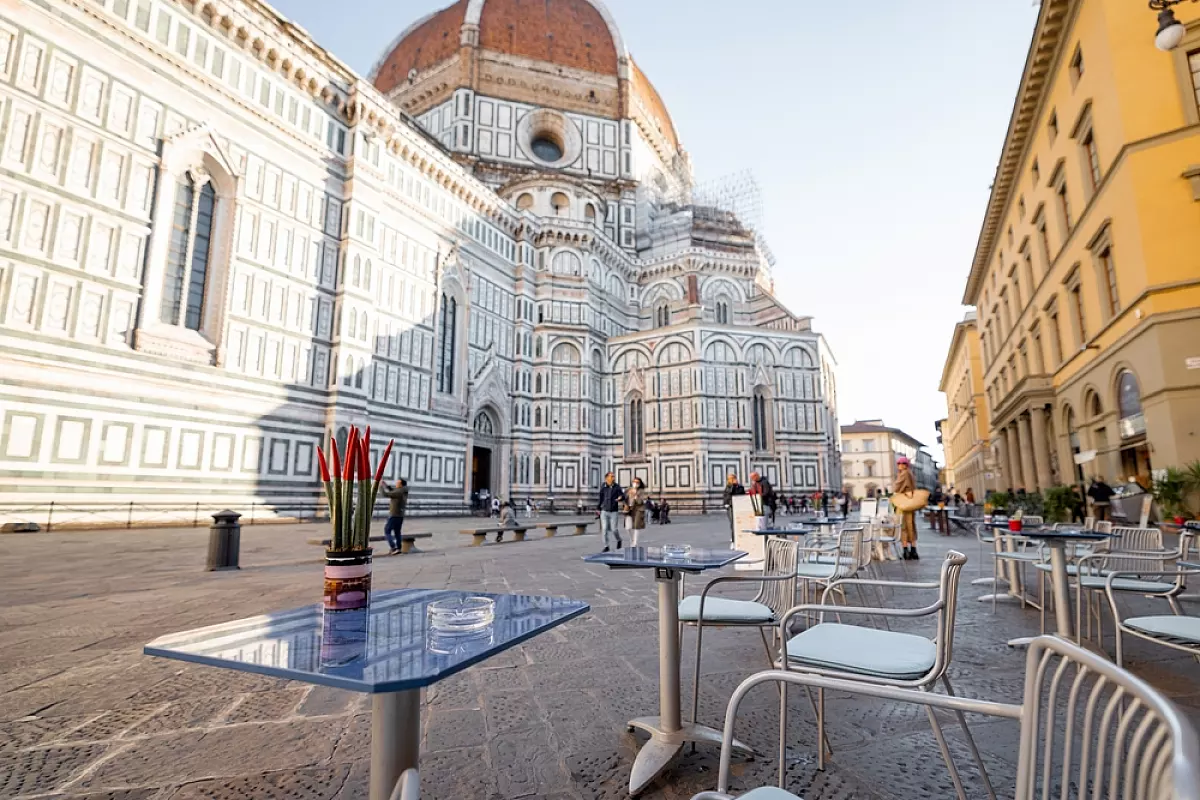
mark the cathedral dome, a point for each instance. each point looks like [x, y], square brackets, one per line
[461, 46]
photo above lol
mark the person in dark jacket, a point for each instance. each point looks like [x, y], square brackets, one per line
[397, 507]
[1101, 495]
[609, 506]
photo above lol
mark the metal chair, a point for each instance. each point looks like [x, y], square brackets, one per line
[1176, 631]
[1118, 736]
[777, 588]
[1140, 554]
[871, 656]
[1016, 551]
[824, 559]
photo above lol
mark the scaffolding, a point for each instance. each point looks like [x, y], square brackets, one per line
[737, 194]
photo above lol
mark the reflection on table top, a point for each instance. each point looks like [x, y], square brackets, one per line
[388, 647]
[779, 531]
[1066, 533]
[696, 560]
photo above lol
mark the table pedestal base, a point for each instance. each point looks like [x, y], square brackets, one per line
[1001, 597]
[656, 754]
[395, 740]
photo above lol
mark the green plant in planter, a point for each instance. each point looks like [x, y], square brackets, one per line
[1191, 492]
[1029, 503]
[1056, 504]
[1000, 501]
[1170, 490]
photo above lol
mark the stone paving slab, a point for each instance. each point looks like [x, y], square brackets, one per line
[83, 714]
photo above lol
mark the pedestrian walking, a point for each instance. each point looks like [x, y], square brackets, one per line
[732, 487]
[495, 507]
[664, 511]
[635, 505]
[609, 506]
[397, 496]
[905, 484]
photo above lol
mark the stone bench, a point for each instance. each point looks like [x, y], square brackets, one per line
[581, 526]
[481, 534]
[407, 541]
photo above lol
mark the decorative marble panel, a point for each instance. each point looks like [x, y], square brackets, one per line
[22, 436]
[71, 439]
[115, 439]
[61, 85]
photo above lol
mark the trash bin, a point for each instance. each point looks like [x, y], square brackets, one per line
[224, 541]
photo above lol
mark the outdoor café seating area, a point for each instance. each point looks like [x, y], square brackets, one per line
[776, 653]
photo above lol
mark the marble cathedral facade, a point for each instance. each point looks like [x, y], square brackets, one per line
[219, 245]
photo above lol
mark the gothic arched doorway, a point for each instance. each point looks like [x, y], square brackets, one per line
[484, 455]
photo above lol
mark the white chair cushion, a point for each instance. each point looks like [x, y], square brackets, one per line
[1127, 584]
[722, 609]
[1171, 627]
[812, 570]
[865, 651]
[768, 793]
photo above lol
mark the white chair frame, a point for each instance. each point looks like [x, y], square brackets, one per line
[1133, 737]
[944, 608]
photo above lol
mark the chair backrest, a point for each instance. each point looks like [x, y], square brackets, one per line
[1033, 519]
[1089, 725]
[1103, 526]
[781, 557]
[850, 550]
[952, 566]
[1089, 729]
[1135, 539]
[1089, 523]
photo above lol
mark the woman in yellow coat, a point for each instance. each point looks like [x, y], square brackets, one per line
[906, 484]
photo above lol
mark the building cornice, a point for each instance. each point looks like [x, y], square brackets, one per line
[960, 331]
[1044, 51]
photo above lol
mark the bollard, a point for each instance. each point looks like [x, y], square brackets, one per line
[224, 541]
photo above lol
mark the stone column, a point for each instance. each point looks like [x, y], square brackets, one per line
[1023, 436]
[1012, 476]
[1041, 449]
[1001, 458]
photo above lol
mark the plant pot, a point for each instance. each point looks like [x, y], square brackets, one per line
[347, 580]
[1179, 520]
[1014, 525]
[343, 638]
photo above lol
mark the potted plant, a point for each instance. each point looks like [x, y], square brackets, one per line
[1169, 489]
[1191, 488]
[1057, 503]
[1000, 502]
[350, 490]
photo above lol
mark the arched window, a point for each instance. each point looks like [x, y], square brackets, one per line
[537, 384]
[869, 468]
[561, 203]
[367, 277]
[348, 371]
[537, 470]
[589, 213]
[357, 275]
[761, 422]
[525, 201]
[1129, 401]
[722, 311]
[358, 374]
[446, 349]
[537, 348]
[537, 417]
[662, 315]
[351, 324]
[635, 436]
[186, 279]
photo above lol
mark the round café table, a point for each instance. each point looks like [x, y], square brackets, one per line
[1056, 542]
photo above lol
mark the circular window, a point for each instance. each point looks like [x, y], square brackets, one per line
[546, 148]
[549, 139]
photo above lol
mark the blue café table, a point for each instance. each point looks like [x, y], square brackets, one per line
[389, 651]
[668, 732]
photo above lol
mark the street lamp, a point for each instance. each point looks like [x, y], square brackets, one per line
[1170, 30]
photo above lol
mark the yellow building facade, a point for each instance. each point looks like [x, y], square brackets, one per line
[1086, 276]
[965, 431]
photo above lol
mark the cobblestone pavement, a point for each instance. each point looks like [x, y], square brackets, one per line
[83, 714]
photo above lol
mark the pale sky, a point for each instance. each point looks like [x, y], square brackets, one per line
[873, 129]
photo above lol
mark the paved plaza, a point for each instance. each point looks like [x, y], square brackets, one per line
[83, 714]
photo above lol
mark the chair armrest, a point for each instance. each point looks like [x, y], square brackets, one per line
[712, 796]
[1165, 555]
[741, 579]
[823, 609]
[1177, 574]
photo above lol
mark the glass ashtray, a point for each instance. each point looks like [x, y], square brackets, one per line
[676, 550]
[461, 614]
